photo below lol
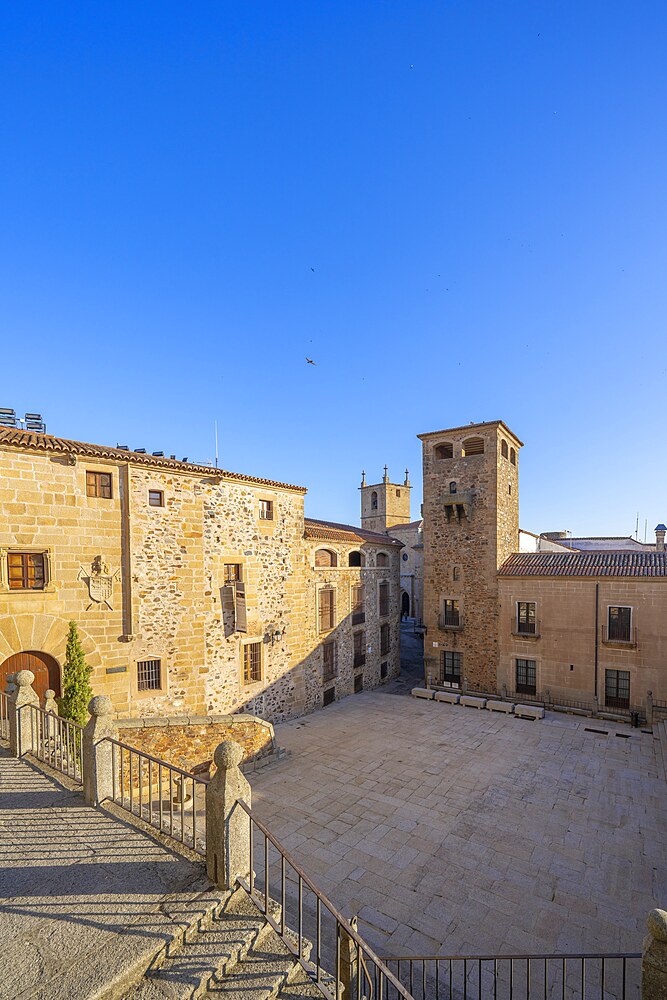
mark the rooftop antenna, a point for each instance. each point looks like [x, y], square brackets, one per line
[637, 528]
[645, 527]
[215, 423]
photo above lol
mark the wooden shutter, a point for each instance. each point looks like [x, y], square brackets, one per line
[241, 618]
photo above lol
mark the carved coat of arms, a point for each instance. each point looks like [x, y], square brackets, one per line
[100, 580]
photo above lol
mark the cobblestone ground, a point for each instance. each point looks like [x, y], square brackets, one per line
[450, 830]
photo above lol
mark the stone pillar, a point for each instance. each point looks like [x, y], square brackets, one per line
[98, 757]
[21, 723]
[227, 824]
[649, 709]
[349, 963]
[654, 957]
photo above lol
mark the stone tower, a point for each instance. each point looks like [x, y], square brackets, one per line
[471, 525]
[384, 504]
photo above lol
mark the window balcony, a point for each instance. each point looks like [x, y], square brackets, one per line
[526, 630]
[619, 636]
[451, 621]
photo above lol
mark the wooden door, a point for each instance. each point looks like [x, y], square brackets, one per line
[43, 666]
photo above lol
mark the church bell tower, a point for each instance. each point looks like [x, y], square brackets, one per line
[384, 504]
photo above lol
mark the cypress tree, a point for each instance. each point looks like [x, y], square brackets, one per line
[77, 691]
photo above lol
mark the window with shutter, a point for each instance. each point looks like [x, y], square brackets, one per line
[26, 570]
[326, 609]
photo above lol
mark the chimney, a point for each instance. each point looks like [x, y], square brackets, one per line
[660, 537]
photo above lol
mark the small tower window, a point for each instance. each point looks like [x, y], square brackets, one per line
[398, 493]
[452, 487]
[374, 500]
[445, 450]
[473, 446]
[504, 449]
[355, 559]
[456, 574]
[512, 456]
[325, 557]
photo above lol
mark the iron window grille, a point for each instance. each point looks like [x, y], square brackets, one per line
[359, 649]
[326, 609]
[266, 510]
[252, 662]
[617, 688]
[358, 612]
[385, 640]
[619, 624]
[384, 598]
[526, 676]
[26, 570]
[526, 622]
[451, 616]
[98, 484]
[329, 661]
[149, 675]
[450, 665]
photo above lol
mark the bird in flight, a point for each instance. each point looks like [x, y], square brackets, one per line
[310, 361]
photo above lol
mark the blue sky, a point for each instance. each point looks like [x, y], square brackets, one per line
[457, 209]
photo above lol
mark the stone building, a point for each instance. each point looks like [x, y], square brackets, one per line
[550, 617]
[195, 590]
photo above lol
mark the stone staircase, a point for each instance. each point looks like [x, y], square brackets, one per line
[228, 949]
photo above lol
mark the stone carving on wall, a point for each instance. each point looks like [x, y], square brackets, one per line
[100, 580]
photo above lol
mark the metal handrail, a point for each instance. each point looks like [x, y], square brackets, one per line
[148, 771]
[56, 741]
[328, 983]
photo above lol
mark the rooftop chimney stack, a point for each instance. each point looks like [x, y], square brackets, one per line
[660, 538]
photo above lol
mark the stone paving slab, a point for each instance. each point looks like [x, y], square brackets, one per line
[451, 831]
[85, 896]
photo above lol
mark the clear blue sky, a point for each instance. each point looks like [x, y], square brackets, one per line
[457, 209]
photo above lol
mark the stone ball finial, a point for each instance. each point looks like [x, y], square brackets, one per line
[657, 924]
[228, 754]
[24, 678]
[49, 694]
[100, 705]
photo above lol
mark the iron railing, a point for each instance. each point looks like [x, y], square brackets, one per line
[55, 741]
[520, 977]
[319, 937]
[4, 716]
[619, 634]
[161, 794]
[451, 620]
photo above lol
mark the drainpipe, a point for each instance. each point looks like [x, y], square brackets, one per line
[597, 631]
[126, 550]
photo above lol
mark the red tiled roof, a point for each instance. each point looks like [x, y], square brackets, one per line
[28, 441]
[646, 564]
[333, 532]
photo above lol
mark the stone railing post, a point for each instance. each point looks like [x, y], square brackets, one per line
[654, 957]
[98, 776]
[227, 824]
[649, 708]
[349, 963]
[50, 704]
[21, 725]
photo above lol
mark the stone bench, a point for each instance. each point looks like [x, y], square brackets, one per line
[422, 693]
[471, 702]
[529, 711]
[451, 697]
[500, 706]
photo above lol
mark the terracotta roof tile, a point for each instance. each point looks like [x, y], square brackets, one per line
[28, 441]
[636, 564]
[333, 532]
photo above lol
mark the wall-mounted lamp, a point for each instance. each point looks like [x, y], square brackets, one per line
[273, 635]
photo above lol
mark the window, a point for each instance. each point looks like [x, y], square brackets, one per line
[98, 484]
[450, 614]
[385, 640]
[452, 487]
[252, 662]
[398, 493]
[619, 624]
[374, 500]
[456, 573]
[617, 688]
[526, 623]
[325, 557]
[445, 450]
[266, 510]
[384, 669]
[504, 450]
[382, 559]
[359, 649]
[450, 665]
[512, 456]
[358, 612]
[232, 572]
[329, 661]
[155, 498]
[526, 676]
[149, 675]
[355, 559]
[326, 608]
[473, 446]
[26, 570]
[384, 598]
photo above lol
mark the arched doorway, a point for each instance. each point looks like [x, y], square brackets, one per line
[405, 604]
[43, 666]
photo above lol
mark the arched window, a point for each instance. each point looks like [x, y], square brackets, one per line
[512, 456]
[355, 559]
[452, 487]
[382, 559]
[503, 449]
[473, 446]
[456, 573]
[325, 557]
[444, 450]
[374, 500]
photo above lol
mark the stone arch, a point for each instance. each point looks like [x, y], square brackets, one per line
[45, 668]
[39, 633]
[405, 603]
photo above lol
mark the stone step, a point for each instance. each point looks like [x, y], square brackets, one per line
[267, 970]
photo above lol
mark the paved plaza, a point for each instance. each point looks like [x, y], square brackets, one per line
[451, 830]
